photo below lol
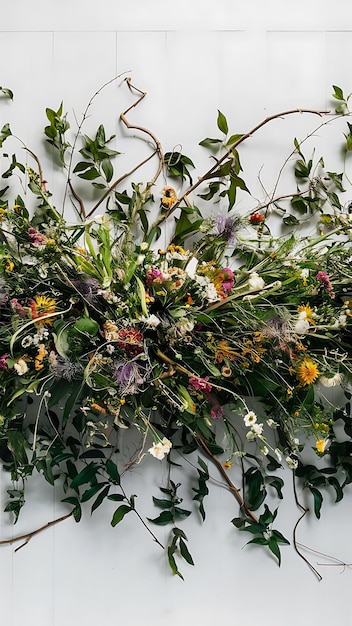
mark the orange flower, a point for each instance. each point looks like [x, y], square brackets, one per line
[38, 361]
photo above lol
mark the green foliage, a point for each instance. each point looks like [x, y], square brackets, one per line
[56, 131]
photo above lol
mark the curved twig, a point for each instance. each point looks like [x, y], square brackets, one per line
[158, 147]
[294, 532]
[28, 536]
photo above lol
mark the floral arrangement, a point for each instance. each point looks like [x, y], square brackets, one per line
[224, 345]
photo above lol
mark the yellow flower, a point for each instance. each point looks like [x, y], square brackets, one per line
[41, 306]
[2, 214]
[169, 197]
[307, 313]
[307, 372]
[321, 445]
[8, 265]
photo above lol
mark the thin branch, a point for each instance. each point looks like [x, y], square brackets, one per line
[294, 533]
[234, 145]
[84, 117]
[234, 490]
[143, 130]
[28, 536]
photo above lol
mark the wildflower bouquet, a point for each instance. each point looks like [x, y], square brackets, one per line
[229, 333]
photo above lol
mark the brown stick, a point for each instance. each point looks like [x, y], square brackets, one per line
[232, 487]
[28, 536]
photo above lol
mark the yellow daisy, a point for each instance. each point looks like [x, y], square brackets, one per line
[307, 372]
[307, 311]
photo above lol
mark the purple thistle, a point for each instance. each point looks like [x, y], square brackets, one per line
[226, 227]
[130, 376]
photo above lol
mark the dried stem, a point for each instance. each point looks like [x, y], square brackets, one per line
[28, 536]
[158, 150]
[232, 487]
[294, 534]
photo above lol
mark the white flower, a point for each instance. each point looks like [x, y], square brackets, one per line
[255, 281]
[304, 272]
[278, 454]
[26, 341]
[257, 429]
[333, 381]
[292, 463]
[264, 450]
[159, 449]
[144, 245]
[250, 418]
[191, 267]
[21, 367]
[211, 293]
[152, 321]
[301, 326]
[271, 423]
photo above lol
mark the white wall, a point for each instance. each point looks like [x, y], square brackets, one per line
[249, 59]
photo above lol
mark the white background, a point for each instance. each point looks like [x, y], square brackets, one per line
[248, 59]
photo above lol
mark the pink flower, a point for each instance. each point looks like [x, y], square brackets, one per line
[18, 307]
[3, 362]
[325, 280]
[155, 275]
[37, 239]
[200, 384]
[229, 279]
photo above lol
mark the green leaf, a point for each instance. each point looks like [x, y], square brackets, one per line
[212, 144]
[120, 514]
[222, 123]
[101, 497]
[90, 493]
[87, 325]
[318, 500]
[116, 497]
[6, 92]
[162, 504]
[274, 548]
[86, 475]
[173, 565]
[338, 93]
[4, 133]
[107, 169]
[113, 472]
[166, 517]
[290, 220]
[185, 552]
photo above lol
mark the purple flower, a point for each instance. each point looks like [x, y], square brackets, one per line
[130, 376]
[226, 227]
